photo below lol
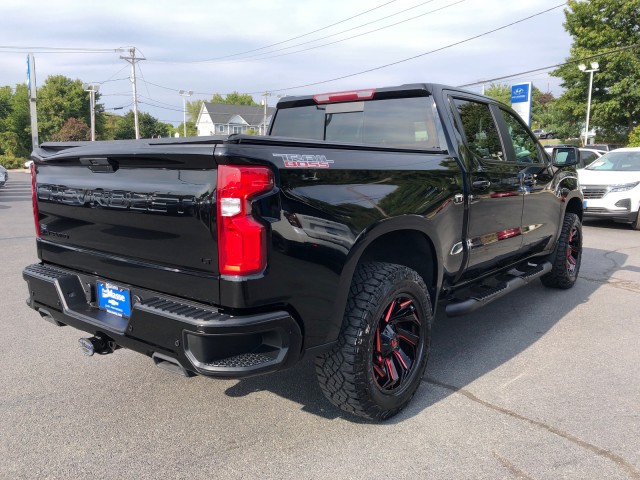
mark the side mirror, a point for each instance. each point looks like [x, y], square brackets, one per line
[565, 156]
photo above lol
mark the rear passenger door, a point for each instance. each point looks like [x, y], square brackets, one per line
[496, 199]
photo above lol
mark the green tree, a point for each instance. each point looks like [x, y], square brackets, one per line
[19, 120]
[150, 127]
[597, 26]
[546, 115]
[193, 110]
[5, 105]
[500, 92]
[8, 144]
[234, 98]
[192, 131]
[110, 124]
[61, 98]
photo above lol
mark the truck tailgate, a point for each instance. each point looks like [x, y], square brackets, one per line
[126, 211]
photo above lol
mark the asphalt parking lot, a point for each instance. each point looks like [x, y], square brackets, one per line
[543, 384]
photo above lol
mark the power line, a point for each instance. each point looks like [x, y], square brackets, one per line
[480, 82]
[158, 101]
[380, 67]
[123, 68]
[142, 75]
[36, 49]
[285, 41]
[160, 106]
[549, 67]
[218, 59]
[348, 38]
[118, 108]
[108, 81]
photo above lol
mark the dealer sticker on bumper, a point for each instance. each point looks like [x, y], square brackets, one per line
[114, 299]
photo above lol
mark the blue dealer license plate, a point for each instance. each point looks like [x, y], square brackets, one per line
[114, 299]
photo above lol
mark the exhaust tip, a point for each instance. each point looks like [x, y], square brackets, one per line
[87, 347]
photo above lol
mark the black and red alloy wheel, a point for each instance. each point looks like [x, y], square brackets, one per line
[574, 250]
[397, 344]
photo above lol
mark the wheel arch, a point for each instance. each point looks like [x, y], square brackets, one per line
[413, 249]
[409, 240]
[574, 205]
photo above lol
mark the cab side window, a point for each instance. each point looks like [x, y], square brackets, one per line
[525, 146]
[479, 129]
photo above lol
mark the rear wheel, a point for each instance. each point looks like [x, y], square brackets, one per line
[636, 223]
[382, 351]
[567, 255]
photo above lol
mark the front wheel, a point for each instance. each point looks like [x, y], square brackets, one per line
[376, 367]
[567, 256]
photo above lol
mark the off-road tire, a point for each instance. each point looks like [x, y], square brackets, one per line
[567, 255]
[352, 374]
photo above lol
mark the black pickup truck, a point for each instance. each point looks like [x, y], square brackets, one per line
[334, 236]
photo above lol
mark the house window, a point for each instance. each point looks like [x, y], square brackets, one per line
[237, 129]
[221, 128]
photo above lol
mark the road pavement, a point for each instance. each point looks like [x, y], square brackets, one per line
[542, 384]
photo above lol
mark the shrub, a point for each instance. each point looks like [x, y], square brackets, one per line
[9, 161]
[634, 137]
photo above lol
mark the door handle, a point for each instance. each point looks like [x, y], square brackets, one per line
[528, 179]
[481, 184]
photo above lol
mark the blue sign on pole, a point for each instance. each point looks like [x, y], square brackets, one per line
[520, 93]
[521, 100]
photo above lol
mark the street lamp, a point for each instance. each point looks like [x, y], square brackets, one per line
[184, 94]
[92, 89]
[583, 68]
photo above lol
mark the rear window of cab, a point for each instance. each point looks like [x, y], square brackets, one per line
[410, 123]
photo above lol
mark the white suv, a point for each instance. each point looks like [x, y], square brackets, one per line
[611, 186]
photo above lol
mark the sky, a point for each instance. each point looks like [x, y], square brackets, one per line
[282, 47]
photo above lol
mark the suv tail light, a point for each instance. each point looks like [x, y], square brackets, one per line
[242, 241]
[34, 199]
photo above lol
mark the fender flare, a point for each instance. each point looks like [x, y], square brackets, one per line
[363, 241]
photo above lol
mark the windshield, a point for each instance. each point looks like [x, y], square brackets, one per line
[617, 161]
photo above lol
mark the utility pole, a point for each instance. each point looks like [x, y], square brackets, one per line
[184, 94]
[92, 89]
[31, 83]
[264, 122]
[132, 60]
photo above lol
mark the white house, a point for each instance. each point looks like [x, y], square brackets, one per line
[225, 119]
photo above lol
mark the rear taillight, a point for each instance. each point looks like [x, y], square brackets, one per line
[242, 240]
[350, 96]
[34, 198]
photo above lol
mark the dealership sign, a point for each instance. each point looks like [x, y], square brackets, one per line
[521, 100]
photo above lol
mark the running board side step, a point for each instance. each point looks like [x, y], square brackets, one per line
[474, 302]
